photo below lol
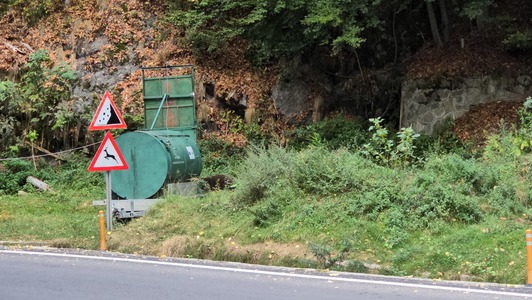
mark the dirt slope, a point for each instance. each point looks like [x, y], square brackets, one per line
[96, 37]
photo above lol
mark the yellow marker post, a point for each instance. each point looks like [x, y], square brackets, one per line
[529, 254]
[103, 244]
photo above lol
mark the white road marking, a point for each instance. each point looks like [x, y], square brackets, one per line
[261, 272]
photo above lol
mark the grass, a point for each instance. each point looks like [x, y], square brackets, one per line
[361, 228]
[62, 219]
[492, 250]
[446, 216]
[449, 218]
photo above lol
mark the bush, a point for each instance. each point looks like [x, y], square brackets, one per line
[218, 155]
[334, 132]
[389, 152]
[322, 172]
[441, 202]
[13, 175]
[259, 172]
[41, 102]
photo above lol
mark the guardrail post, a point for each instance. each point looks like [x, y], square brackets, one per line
[103, 243]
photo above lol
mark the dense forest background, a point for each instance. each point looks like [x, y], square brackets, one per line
[58, 57]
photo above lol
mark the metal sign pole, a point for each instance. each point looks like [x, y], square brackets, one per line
[108, 212]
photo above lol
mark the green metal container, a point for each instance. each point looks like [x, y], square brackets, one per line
[155, 158]
[169, 101]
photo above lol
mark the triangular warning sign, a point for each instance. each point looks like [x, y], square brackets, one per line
[107, 115]
[108, 157]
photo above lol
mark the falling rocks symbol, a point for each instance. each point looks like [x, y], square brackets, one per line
[110, 115]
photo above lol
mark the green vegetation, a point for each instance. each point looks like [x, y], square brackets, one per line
[63, 217]
[427, 214]
[32, 10]
[39, 107]
[451, 218]
[276, 29]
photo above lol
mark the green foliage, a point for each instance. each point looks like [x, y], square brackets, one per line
[523, 137]
[441, 218]
[263, 168]
[32, 136]
[71, 174]
[325, 254]
[255, 136]
[269, 211]
[333, 133]
[232, 123]
[513, 143]
[321, 172]
[325, 17]
[14, 175]
[208, 24]
[218, 155]
[41, 103]
[8, 103]
[339, 184]
[525, 115]
[274, 28]
[386, 151]
[518, 41]
[443, 141]
[475, 8]
[35, 10]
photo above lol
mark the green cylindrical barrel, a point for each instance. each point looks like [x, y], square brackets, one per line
[154, 159]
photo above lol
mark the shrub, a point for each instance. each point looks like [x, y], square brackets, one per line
[41, 102]
[386, 151]
[441, 203]
[319, 171]
[260, 171]
[218, 155]
[14, 176]
[335, 132]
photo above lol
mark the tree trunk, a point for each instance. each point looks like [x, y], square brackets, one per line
[482, 19]
[433, 24]
[444, 20]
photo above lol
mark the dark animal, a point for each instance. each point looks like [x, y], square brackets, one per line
[107, 155]
[218, 182]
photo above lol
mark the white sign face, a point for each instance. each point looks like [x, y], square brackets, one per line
[108, 157]
[107, 115]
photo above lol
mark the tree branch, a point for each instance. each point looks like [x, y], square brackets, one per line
[13, 48]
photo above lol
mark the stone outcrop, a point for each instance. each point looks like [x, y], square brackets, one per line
[427, 103]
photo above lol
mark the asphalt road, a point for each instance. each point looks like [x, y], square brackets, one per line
[75, 274]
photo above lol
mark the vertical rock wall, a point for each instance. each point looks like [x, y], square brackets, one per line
[427, 103]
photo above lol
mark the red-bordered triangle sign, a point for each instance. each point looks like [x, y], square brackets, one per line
[107, 115]
[108, 157]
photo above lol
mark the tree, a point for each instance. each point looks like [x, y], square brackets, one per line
[39, 103]
[434, 28]
[276, 28]
[433, 24]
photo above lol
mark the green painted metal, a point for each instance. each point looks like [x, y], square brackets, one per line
[155, 158]
[169, 100]
[166, 151]
[158, 111]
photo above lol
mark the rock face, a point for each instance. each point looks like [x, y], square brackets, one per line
[427, 103]
[301, 88]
